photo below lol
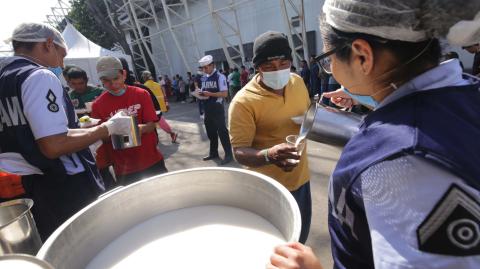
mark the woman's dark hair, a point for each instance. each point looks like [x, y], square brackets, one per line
[66, 69]
[130, 80]
[417, 57]
[76, 72]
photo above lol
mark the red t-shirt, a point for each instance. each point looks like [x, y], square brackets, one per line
[135, 102]
[244, 78]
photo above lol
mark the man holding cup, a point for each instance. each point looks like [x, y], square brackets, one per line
[135, 163]
[260, 120]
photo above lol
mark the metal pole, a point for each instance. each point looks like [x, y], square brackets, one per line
[142, 54]
[239, 33]
[162, 42]
[219, 31]
[192, 29]
[289, 30]
[135, 20]
[306, 53]
[174, 36]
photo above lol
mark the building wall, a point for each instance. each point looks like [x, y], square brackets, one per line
[255, 17]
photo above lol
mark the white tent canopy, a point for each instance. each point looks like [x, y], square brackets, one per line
[5, 49]
[84, 53]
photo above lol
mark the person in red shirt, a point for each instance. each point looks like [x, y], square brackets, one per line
[135, 163]
[243, 76]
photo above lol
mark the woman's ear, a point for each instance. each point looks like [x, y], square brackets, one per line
[362, 56]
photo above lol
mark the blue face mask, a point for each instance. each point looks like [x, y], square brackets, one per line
[362, 99]
[120, 93]
[56, 70]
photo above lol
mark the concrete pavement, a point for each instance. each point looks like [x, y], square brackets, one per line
[193, 144]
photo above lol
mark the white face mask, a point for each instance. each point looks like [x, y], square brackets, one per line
[276, 79]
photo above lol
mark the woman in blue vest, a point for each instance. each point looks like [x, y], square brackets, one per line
[406, 190]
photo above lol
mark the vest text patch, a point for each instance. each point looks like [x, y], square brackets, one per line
[11, 113]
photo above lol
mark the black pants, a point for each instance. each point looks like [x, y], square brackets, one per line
[216, 127]
[304, 201]
[156, 169]
[108, 179]
[56, 200]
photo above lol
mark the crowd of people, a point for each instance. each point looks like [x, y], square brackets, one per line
[404, 194]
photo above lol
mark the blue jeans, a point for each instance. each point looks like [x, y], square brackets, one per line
[304, 201]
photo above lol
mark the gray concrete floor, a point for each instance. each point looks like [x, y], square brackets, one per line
[193, 145]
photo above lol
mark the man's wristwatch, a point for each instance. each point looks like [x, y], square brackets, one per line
[265, 154]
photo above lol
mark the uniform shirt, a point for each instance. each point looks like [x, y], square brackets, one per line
[41, 89]
[79, 100]
[135, 102]
[158, 92]
[261, 119]
[222, 83]
[407, 199]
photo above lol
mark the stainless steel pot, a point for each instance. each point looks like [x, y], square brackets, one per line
[18, 233]
[75, 243]
[330, 125]
[134, 139]
[23, 261]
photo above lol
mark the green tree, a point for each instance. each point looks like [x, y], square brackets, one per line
[81, 18]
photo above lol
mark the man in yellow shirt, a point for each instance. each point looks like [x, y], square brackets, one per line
[161, 97]
[156, 89]
[260, 120]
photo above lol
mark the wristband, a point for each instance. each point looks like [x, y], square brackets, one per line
[265, 154]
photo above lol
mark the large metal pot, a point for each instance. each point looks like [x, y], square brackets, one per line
[18, 233]
[75, 243]
[22, 261]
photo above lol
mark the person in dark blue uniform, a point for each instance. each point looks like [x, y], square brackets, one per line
[406, 190]
[39, 135]
[214, 85]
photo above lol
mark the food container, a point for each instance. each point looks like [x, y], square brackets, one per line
[81, 238]
[18, 233]
[22, 261]
[329, 125]
[134, 139]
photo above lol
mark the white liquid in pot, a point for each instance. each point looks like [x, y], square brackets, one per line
[200, 237]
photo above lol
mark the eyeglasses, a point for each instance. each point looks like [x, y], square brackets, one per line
[324, 59]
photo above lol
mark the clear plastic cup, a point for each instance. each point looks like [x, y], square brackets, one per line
[291, 140]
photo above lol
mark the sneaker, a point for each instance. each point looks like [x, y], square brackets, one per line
[174, 137]
[202, 117]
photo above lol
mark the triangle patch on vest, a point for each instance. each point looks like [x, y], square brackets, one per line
[453, 226]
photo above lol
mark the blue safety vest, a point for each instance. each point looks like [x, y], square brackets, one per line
[440, 125]
[211, 84]
[16, 135]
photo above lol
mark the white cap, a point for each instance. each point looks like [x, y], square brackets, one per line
[206, 60]
[37, 32]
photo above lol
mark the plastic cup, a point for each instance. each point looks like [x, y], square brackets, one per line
[292, 139]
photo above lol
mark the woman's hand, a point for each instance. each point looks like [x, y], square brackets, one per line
[293, 256]
[340, 98]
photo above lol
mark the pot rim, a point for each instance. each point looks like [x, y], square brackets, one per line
[288, 196]
[22, 201]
